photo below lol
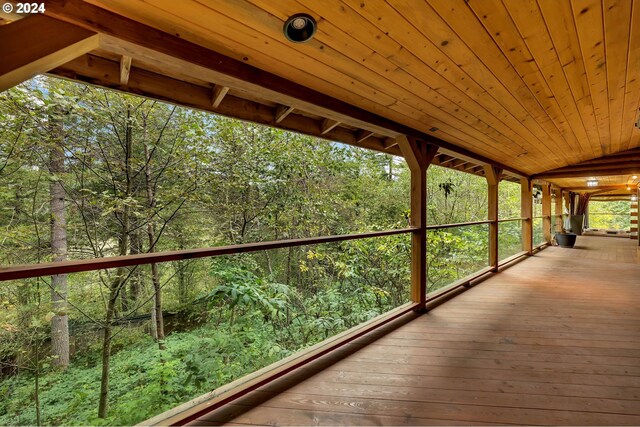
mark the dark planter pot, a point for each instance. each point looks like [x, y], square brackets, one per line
[576, 222]
[566, 240]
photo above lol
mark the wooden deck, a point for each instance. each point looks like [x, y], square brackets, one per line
[554, 339]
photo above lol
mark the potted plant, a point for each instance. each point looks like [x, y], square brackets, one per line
[565, 239]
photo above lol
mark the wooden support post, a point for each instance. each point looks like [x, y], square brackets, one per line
[418, 156]
[546, 212]
[37, 44]
[492, 174]
[526, 212]
[558, 210]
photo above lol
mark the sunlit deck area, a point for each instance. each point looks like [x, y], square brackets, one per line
[553, 340]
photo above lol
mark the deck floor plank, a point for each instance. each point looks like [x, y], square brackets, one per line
[553, 340]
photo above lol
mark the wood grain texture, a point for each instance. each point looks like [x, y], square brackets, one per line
[37, 44]
[535, 344]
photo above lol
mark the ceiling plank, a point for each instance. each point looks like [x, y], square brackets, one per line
[446, 74]
[588, 18]
[545, 74]
[632, 83]
[471, 20]
[37, 44]
[558, 17]
[617, 15]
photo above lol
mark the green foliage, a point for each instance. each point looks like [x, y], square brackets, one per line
[610, 215]
[145, 381]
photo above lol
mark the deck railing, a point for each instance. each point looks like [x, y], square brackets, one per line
[54, 268]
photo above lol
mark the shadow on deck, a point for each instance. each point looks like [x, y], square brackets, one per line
[553, 340]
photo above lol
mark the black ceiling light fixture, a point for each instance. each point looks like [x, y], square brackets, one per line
[299, 28]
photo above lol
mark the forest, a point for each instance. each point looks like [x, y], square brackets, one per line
[86, 172]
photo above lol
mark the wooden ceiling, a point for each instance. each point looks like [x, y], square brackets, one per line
[535, 85]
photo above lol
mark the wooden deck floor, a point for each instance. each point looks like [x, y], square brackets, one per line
[554, 339]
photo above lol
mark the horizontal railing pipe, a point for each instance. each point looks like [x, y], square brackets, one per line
[460, 224]
[512, 219]
[53, 268]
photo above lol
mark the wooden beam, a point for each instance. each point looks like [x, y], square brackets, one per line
[603, 187]
[615, 171]
[125, 68]
[121, 34]
[218, 94]
[418, 157]
[328, 125]
[588, 170]
[526, 211]
[546, 212]
[282, 111]
[606, 197]
[363, 134]
[492, 175]
[95, 70]
[37, 44]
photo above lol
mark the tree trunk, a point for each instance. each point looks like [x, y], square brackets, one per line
[135, 280]
[121, 278]
[151, 234]
[60, 320]
[154, 320]
[103, 405]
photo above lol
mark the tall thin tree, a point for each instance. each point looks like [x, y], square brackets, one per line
[60, 320]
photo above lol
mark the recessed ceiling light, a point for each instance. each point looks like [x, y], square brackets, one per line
[299, 28]
[634, 177]
[592, 182]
